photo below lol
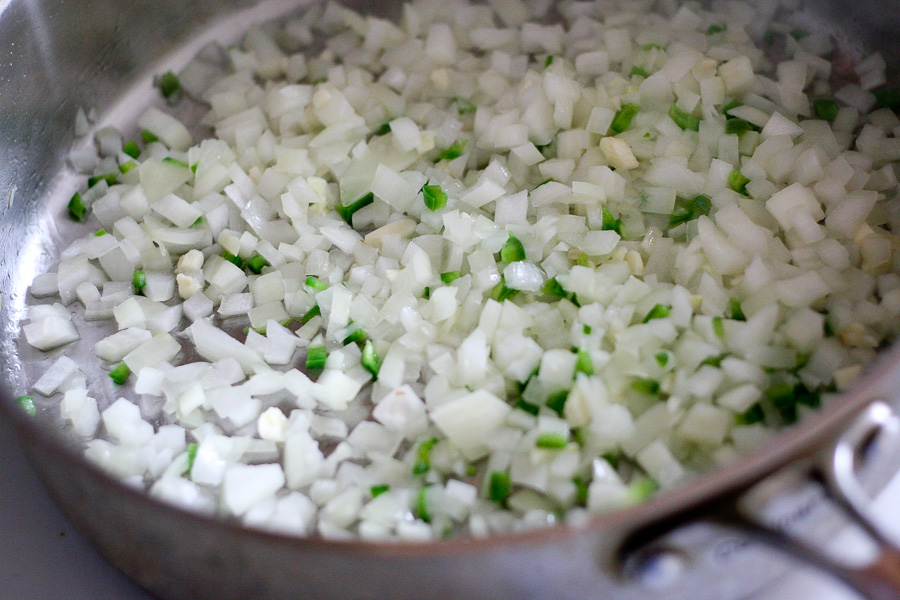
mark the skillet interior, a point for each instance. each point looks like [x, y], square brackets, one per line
[63, 55]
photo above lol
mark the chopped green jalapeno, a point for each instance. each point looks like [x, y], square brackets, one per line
[256, 263]
[714, 361]
[752, 415]
[120, 373]
[454, 151]
[316, 358]
[191, 456]
[169, 85]
[377, 490]
[645, 386]
[316, 283]
[233, 259]
[346, 211]
[641, 489]
[499, 486]
[502, 292]
[435, 198]
[738, 182]
[888, 98]
[581, 490]
[464, 107]
[176, 163]
[552, 440]
[109, 178]
[554, 288]
[449, 277]
[690, 210]
[718, 327]
[131, 148]
[26, 403]
[315, 311]
[370, 360]
[610, 223]
[729, 106]
[736, 126]
[422, 509]
[584, 363]
[641, 72]
[786, 399]
[357, 336]
[622, 120]
[512, 250]
[527, 406]
[826, 109]
[734, 310]
[423, 457]
[660, 311]
[557, 401]
[683, 119]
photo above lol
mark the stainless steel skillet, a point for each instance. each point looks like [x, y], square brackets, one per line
[58, 56]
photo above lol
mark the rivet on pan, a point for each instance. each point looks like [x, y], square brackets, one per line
[656, 567]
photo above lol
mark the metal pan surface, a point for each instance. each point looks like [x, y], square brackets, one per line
[58, 56]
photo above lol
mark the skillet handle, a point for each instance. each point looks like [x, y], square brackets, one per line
[880, 578]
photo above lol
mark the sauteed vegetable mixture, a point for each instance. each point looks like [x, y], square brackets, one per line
[471, 272]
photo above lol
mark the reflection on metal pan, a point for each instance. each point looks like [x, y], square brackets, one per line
[75, 56]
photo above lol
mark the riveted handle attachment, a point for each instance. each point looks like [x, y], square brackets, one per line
[836, 468]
